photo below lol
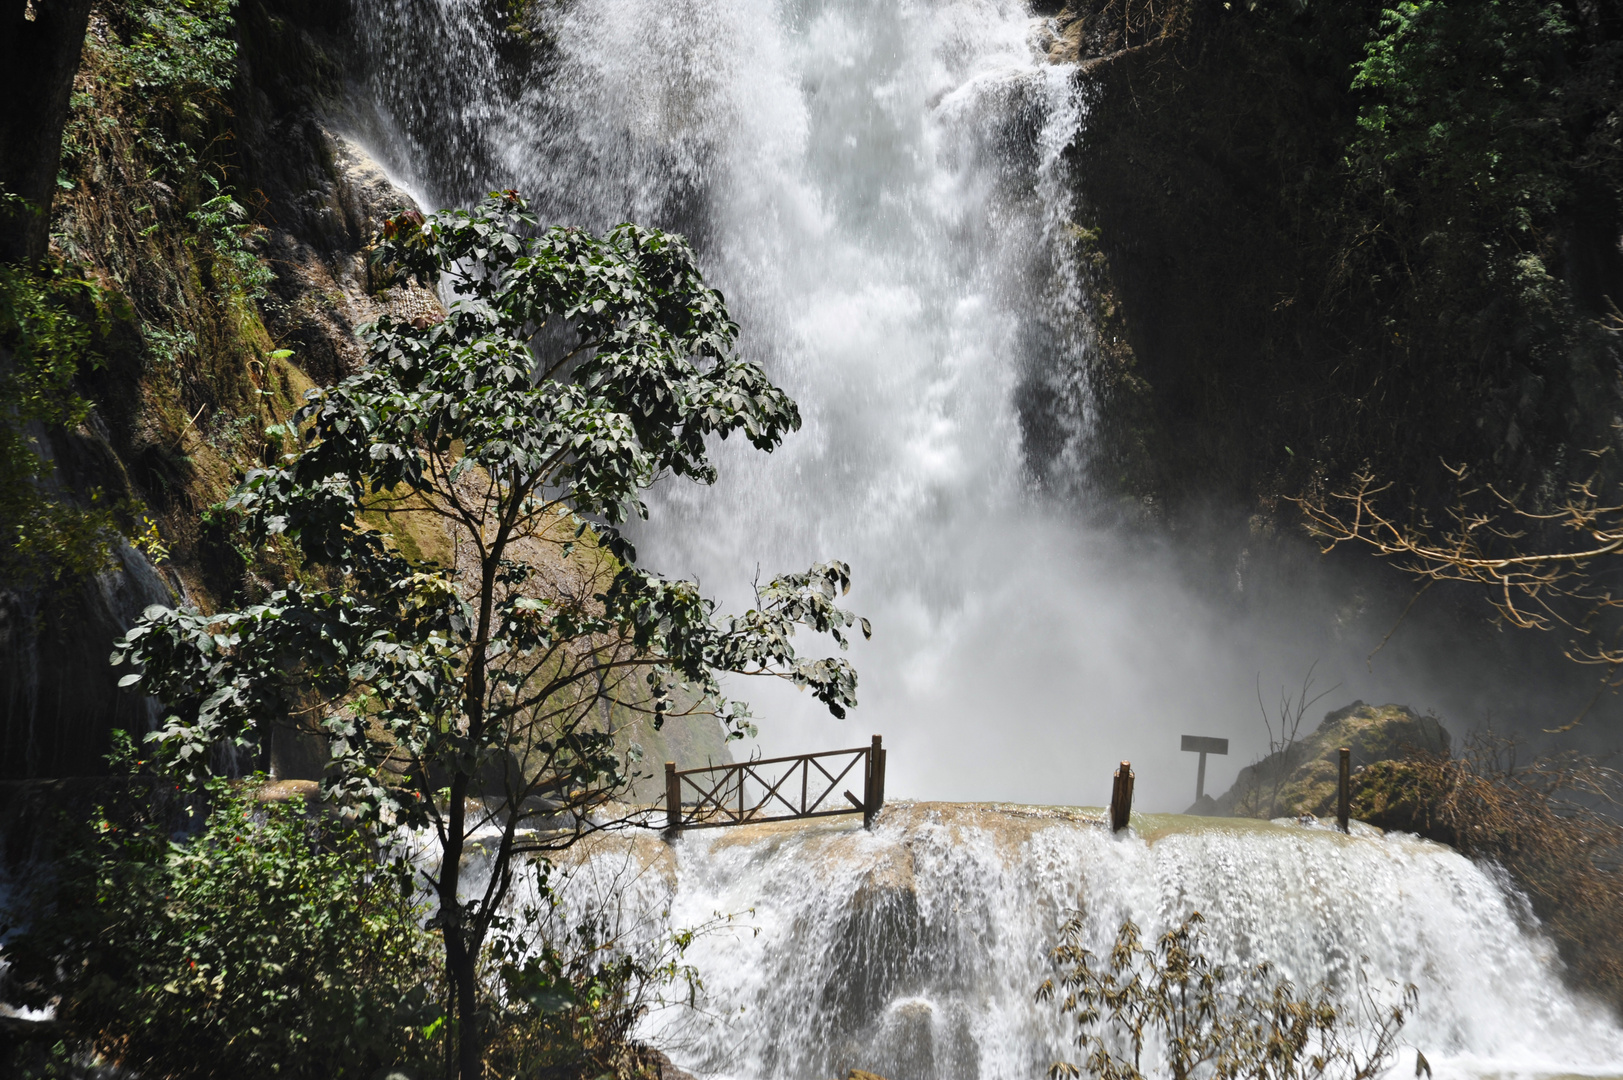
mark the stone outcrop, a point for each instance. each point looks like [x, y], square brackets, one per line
[325, 197]
[879, 936]
[1301, 778]
[326, 286]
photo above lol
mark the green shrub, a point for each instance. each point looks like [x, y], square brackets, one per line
[48, 346]
[177, 59]
[271, 943]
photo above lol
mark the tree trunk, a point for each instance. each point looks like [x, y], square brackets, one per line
[461, 947]
[40, 44]
[463, 963]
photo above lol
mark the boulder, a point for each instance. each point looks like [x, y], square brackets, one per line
[1302, 777]
[278, 791]
[666, 1069]
[876, 946]
[1409, 796]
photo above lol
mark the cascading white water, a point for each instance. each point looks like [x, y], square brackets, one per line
[880, 189]
[914, 951]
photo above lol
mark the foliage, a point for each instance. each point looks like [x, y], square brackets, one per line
[575, 978]
[182, 49]
[1170, 1010]
[1359, 234]
[44, 346]
[178, 58]
[1466, 100]
[1471, 135]
[441, 682]
[1549, 822]
[224, 224]
[271, 942]
[48, 344]
[143, 140]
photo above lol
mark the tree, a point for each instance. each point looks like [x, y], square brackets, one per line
[1204, 1019]
[40, 42]
[570, 373]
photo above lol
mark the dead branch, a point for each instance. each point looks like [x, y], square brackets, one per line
[1539, 569]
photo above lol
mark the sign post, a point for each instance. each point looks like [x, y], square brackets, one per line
[1202, 745]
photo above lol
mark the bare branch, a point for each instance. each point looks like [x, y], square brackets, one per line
[1539, 569]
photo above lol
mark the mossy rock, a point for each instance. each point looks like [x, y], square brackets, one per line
[1403, 796]
[1302, 778]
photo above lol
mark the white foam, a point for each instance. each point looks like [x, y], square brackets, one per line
[830, 984]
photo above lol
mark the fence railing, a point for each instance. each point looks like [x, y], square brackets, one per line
[776, 789]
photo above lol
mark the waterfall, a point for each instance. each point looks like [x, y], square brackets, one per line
[880, 188]
[914, 950]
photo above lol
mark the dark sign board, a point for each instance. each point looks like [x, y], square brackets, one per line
[1200, 744]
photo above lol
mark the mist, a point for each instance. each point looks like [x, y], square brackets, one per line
[884, 195]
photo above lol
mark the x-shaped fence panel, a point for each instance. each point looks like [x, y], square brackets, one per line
[776, 789]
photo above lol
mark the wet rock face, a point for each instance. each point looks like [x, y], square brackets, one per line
[883, 964]
[1302, 777]
[326, 286]
[877, 946]
[324, 197]
[59, 696]
[894, 963]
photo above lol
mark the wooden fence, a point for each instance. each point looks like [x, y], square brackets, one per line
[776, 789]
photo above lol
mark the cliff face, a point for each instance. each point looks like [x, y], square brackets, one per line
[1325, 237]
[221, 214]
[1290, 282]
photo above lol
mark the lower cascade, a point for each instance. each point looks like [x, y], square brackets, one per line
[914, 951]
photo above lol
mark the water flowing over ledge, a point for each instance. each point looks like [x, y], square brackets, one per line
[914, 950]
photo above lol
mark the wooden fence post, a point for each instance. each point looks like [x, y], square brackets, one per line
[673, 800]
[873, 783]
[879, 787]
[1344, 790]
[1121, 798]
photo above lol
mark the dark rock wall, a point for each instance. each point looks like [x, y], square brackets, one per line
[1287, 321]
